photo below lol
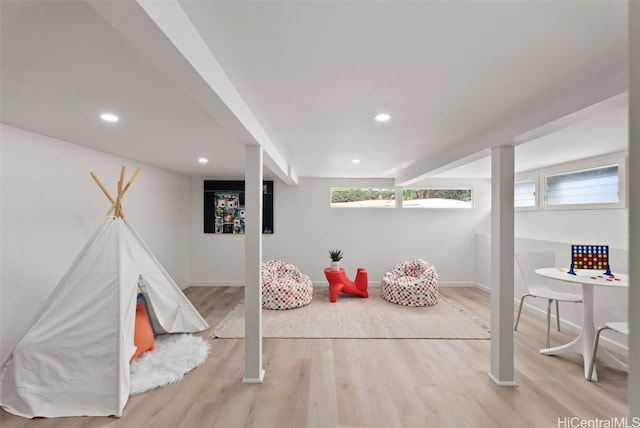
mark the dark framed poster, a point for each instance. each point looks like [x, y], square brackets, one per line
[224, 206]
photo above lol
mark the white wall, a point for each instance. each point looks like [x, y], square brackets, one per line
[50, 206]
[609, 227]
[306, 227]
[557, 231]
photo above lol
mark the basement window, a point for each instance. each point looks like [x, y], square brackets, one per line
[594, 186]
[437, 198]
[356, 197]
[525, 193]
[593, 183]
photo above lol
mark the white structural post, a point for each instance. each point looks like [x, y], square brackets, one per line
[253, 372]
[633, 400]
[502, 245]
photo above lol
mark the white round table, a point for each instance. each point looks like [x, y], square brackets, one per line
[583, 344]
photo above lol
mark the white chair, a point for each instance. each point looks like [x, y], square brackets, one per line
[538, 286]
[619, 327]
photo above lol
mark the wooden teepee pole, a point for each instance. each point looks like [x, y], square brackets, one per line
[104, 189]
[133, 177]
[119, 198]
[116, 204]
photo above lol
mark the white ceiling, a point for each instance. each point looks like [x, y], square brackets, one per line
[312, 74]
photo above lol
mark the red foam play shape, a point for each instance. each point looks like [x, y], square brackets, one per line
[339, 283]
[143, 334]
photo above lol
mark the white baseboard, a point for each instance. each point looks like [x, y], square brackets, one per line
[321, 284]
[484, 287]
[258, 379]
[377, 284]
[216, 284]
[502, 382]
[462, 284]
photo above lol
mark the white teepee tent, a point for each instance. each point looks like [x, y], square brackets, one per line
[74, 361]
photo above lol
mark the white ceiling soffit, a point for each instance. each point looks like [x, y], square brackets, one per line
[453, 74]
[219, 99]
[66, 62]
[305, 78]
[598, 135]
[63, 65]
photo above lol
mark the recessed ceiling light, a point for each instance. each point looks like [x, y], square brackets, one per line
[109, 117]
[355, 160]
[203, 160]
[382, 117]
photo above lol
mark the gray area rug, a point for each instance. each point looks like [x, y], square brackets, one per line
[355, 317]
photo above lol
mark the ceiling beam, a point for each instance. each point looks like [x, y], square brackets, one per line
[605, 90]
[162, 33]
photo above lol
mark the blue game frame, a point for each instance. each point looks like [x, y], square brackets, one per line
[592, 253]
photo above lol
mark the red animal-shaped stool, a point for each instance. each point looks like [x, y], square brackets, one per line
[339, 283]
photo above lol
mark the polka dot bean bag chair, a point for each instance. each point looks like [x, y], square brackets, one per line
[284, 286]
[411, 283]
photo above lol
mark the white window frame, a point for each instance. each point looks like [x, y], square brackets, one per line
[536, 179]
[471, 189]
[338, 206]
[619, 159]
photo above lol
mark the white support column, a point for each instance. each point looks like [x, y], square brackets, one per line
[502, 245]
[253, 372]
[399, 191]
[633, 392]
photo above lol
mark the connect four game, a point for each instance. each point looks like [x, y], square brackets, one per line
[591, 257]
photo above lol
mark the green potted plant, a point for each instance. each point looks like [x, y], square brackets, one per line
[336, 256]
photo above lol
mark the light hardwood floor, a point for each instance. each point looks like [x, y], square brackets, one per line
[369, 382]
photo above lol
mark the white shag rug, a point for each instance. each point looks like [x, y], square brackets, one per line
[173, 356]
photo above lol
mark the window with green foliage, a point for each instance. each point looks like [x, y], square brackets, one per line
[437, 198]
[350, 197]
